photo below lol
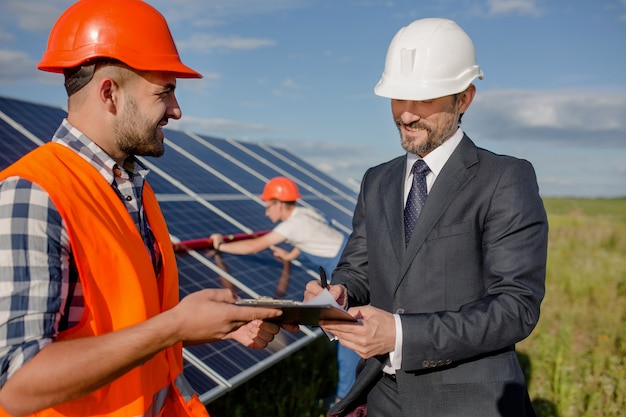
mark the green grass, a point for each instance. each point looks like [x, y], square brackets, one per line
[574, 360]
[577, 351]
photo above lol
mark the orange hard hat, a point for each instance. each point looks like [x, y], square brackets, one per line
[130, 31]
[280, 188]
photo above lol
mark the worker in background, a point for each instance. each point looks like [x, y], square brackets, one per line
[311, 235]
[91, 323]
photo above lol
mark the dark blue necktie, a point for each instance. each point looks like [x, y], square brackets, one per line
[416, 198]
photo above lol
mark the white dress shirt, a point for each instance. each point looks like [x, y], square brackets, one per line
[435, 161]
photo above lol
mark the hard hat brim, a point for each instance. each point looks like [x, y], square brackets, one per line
[398, 89]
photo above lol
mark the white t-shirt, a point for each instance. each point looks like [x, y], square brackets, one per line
[308, 230]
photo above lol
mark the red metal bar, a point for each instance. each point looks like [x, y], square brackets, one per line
[207, 242]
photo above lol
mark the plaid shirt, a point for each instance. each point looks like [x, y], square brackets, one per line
[40, 293]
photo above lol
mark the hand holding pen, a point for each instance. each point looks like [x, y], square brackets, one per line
[339, 292]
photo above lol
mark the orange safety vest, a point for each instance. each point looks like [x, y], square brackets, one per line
[119, 284]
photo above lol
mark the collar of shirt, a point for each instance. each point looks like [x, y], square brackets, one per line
[74, 139]
[435, 161]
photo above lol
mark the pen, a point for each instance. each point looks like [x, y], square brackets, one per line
[323, 277]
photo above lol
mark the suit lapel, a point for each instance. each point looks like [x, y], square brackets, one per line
[453, 177]
[391, 193]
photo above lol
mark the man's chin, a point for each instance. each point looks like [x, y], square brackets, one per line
[151, 152]
[414, 145]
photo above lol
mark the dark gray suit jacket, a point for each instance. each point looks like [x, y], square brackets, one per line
[468, 286]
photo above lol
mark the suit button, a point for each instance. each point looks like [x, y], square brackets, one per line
[440, 363]
[433, 364]
[425, 364]
[399, 311]
[448, 361]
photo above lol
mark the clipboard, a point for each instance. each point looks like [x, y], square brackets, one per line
[295, 312]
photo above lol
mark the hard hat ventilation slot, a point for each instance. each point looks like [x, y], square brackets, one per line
[407, 57]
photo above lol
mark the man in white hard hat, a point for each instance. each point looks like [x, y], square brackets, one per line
[446, 263]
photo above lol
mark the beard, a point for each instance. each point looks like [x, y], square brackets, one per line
[437, 132]
[136, 135]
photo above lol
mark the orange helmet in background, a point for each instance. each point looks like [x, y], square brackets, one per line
[281, 189]
[130, 31]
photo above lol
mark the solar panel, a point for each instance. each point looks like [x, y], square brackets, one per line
[205, 185]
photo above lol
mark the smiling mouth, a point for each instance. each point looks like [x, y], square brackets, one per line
[163, 122]
[414, 127]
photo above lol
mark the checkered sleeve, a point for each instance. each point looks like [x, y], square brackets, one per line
[33, 288]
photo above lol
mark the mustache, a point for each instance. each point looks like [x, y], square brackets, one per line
[413, 125]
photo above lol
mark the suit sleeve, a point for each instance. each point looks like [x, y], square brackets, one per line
[513, 255]
[352, 268]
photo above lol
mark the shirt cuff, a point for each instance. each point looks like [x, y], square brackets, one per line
[395, 356]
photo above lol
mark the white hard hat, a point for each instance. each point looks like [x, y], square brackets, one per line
[427, 59]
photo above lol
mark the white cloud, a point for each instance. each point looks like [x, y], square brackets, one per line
[622, 13]
[216, 127]
[212, 75]
[211, 13]
[288, 88]
[513, 7]
[290, 84]
[15, 65]
[574, 116]
[36, 15]
[206, 43]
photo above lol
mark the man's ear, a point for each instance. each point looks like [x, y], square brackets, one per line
[466, 98]
[108, 92]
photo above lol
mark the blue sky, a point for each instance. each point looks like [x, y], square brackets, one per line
[300, 74]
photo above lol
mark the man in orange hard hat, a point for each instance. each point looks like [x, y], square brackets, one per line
[91, 319]
[311, 235]
[306, 229]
